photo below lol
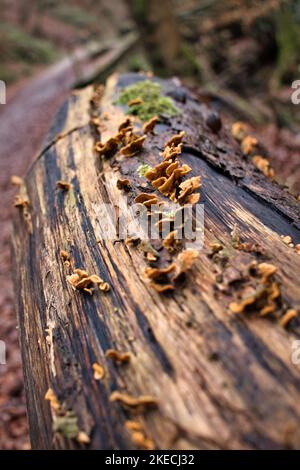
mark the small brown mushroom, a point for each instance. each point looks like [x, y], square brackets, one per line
[108, 149]
[135, 101]
[118, 356]
[133, 402]
[99, 371]
[248, 145]
[124, 183]
[125, 124]
[134, 147]
[175, 139]
[149, 125]
[146, 199]
[239, 130]
[263, 165]
[288, 316]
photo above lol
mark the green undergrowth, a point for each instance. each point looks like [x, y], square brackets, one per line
[154, 103]
[19, 46]
[74, 16]
[21, 52]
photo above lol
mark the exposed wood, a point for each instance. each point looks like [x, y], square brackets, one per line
[221, 380]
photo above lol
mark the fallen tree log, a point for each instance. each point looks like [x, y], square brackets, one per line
[214, 379]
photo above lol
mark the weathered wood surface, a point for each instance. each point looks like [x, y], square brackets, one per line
[221, 380]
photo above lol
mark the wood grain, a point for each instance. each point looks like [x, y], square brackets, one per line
[222, 381]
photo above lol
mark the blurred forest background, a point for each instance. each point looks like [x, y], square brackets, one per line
[239, 56]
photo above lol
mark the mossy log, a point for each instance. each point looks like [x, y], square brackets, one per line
[221, 380]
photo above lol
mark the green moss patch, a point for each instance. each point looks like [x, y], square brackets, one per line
[66, 425]
[142, 169]
[154, 103]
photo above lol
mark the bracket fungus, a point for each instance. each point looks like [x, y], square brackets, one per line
[150, 124]
[147, 199]
[133, 402]
[82, 281]
[124, 183]
[164, 279]
[248, 145]
[239, 130]
[108, 149]
[263, 296]
[22, 201]
[99, 371]
[118, 356]
[63, 185]
[263, 165]
[134, 146]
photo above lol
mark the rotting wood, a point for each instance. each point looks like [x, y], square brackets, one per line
[220, 380]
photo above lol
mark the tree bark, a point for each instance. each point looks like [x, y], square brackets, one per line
[221, 380]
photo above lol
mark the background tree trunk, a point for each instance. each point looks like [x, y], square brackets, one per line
[159, 33]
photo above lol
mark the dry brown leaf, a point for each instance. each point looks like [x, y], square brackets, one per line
[16, 180]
